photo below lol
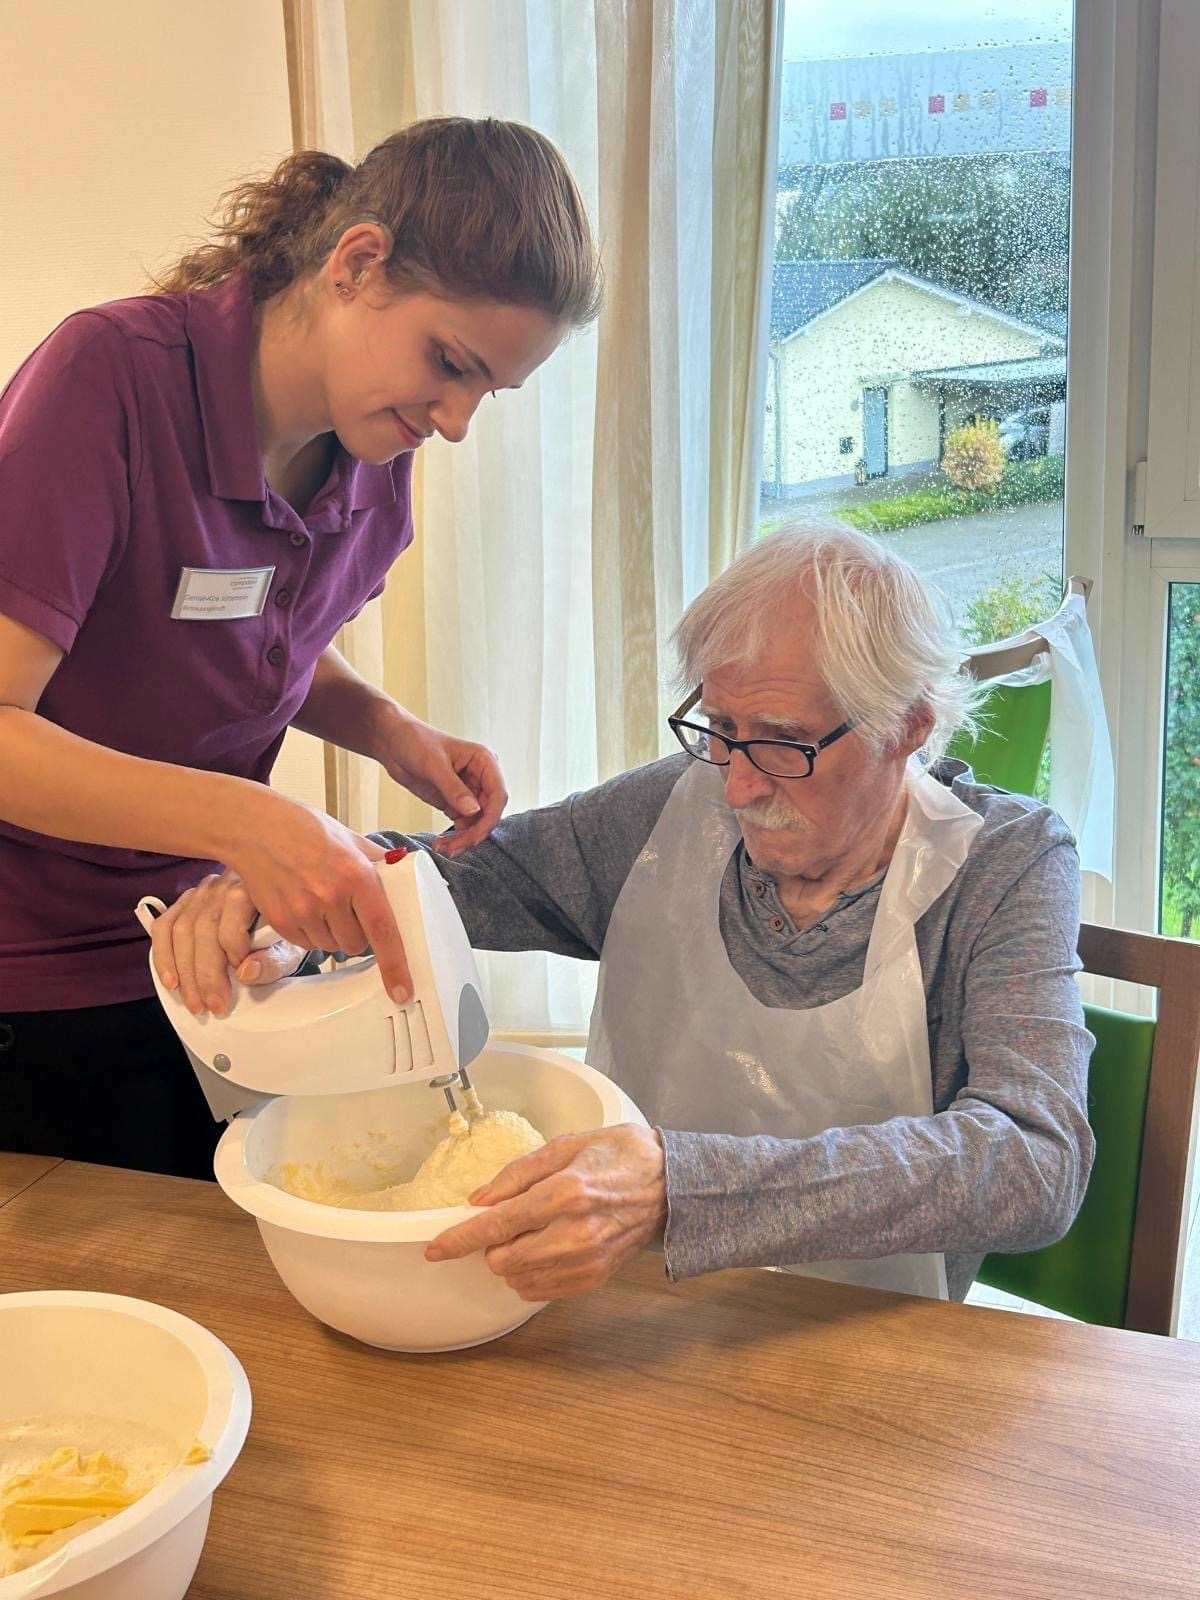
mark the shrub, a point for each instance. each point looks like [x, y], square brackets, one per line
[1043, 478]
[974, 457]
[1010, 606]
[934, 504]
[1181, 789]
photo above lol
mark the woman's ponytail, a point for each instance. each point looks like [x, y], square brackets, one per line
[267, 228]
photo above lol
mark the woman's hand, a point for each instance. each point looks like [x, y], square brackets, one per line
[561, 1220]
[206, 932]
[314, 881]
[459, 778]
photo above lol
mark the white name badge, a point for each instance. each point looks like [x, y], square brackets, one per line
[217, 594]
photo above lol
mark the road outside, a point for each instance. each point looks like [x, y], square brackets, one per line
[962, 556]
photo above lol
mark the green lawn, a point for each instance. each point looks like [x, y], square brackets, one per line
[1023, 483]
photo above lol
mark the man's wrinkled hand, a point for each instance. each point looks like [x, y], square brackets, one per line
[561, 1220]
[206, 932]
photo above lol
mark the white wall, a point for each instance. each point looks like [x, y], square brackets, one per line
[121, 122]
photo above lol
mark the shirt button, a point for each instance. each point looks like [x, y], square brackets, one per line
[275, 655]
[283, 597]
[299, 540]
[777, 924]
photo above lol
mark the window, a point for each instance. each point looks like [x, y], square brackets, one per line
[919, 305]
[1179, 880]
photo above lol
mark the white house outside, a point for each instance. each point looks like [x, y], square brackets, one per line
[870, 367]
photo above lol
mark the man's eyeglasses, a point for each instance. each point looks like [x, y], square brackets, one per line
[780, 758]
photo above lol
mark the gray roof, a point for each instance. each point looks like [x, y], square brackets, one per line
[802, 290]
[1022, 372]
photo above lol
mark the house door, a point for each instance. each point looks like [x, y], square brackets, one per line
[875, 429]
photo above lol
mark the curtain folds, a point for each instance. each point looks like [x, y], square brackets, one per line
[688, 135]
[322, 119]
[504, 526]
[561, 541]
[747, 72]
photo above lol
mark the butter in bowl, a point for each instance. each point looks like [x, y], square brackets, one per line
[118, 1420]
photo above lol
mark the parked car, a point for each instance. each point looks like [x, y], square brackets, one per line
[1025, 434]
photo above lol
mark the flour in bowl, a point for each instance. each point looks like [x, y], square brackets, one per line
[473, 1150]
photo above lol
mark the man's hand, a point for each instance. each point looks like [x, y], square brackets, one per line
[461, 779]
[561, 1220]
[207, 931]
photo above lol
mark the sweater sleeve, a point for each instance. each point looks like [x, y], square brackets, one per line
[548, 879]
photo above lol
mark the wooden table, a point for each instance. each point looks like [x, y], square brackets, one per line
[20, 1172]
[747, 1434]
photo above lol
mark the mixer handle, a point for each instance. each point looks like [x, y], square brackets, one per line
[148, 910]
[265, 935]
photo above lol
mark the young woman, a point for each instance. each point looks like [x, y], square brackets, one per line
[198, 487]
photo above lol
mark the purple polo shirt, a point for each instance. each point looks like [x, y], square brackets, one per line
[128, 451]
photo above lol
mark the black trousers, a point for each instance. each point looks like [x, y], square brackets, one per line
[110, 1084]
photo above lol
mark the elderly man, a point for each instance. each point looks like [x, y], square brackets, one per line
[836, 974]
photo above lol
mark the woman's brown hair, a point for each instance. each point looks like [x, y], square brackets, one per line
[476, 210]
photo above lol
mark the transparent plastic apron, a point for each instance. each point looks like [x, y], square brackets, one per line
[678, 1029]
[1081, 759]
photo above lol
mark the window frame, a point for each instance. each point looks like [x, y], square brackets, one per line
[1132, 136]
[1114, 140]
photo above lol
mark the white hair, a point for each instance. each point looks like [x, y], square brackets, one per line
[886, 647]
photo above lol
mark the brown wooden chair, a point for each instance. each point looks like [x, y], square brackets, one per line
[1121, 1261]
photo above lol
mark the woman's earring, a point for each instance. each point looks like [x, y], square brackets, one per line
[346, 292]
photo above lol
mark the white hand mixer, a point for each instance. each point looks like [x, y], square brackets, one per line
[339, 1031]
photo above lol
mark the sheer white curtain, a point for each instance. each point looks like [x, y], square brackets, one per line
[322, 119]
[561, 541]
[505, 515]
[688, 132]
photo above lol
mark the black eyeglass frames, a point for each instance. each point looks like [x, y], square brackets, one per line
[779, 758]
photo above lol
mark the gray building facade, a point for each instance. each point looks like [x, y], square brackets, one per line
[1009, 98]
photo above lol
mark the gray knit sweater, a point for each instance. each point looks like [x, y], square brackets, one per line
[1003, 1162]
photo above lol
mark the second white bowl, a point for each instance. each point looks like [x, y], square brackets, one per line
[134, 1362]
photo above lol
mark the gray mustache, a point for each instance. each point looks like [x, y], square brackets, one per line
[772, 815]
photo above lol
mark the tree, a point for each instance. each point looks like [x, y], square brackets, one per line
[994, 227]
[1181, 788]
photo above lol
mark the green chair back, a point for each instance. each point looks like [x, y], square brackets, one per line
[1008, 752]
[1086, 1274]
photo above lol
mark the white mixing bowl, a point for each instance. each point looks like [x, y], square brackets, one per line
[364, 1272]
[127, 1360]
